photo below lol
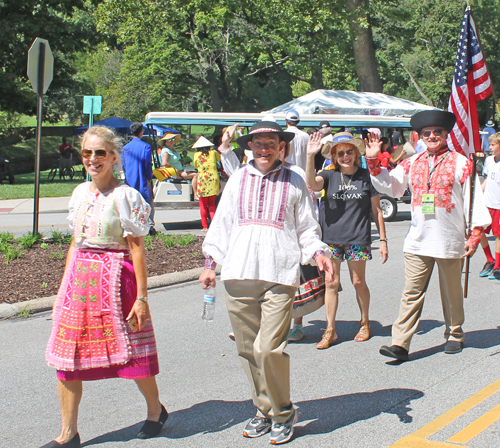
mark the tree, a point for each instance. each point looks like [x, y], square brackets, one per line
[21, 22]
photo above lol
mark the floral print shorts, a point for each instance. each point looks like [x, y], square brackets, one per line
[351, 252]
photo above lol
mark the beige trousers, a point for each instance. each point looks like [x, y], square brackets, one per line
[261, 313]
[418, 270]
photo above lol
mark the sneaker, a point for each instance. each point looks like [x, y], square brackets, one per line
[494, 274]
[487, 268]
[283, 432]
[257, 427]
[296, 334]
[394, 351]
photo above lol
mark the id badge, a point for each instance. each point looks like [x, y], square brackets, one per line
[428, 203]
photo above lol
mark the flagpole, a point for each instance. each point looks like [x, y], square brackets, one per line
[486, 65]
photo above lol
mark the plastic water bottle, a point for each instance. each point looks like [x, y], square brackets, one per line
[208, 304]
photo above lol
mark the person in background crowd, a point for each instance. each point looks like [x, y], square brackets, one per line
[137, 160]
[208, 186]
[345, 219]
[491, 188]
[101, 325]
[67, 152]
[260, 284]
[439, 184]
[487, 132]
[298, 152]
[170, 158]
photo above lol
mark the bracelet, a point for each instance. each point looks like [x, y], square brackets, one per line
[142, 299]
[383, 239]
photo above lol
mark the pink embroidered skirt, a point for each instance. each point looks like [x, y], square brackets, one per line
[90, 338]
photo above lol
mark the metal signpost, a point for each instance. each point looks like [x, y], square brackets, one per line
[40, 73]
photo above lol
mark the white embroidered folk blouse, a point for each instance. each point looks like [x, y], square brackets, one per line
[264, 227]
[104, 220]
[441, 234]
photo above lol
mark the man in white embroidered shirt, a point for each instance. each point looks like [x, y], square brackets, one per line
[263, 228]
[439, 182]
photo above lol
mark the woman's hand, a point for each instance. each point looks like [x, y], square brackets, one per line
[141, 311]
[384, 251]
[227, 138]
[373, 146]
[314, 144]
[325, 265]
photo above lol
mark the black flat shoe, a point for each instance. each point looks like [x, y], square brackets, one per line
[152, 429]
[452, 347]
[73, 443]
[394, 351]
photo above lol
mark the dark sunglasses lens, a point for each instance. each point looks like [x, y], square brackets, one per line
[436, 132]
[86, 154]
[100, 153]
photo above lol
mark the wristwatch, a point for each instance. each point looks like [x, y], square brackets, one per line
[142, 299]
[383, 239]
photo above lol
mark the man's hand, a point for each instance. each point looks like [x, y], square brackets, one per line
[207, 279]
[373, 146]
[227, 138]
[325, 265]
[469, 250]
[314, 144]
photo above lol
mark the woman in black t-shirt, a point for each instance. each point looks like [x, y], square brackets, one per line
[346, 222]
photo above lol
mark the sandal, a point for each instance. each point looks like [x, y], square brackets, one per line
[329, 338]
[364, 332]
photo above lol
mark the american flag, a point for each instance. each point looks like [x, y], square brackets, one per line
[471, 83]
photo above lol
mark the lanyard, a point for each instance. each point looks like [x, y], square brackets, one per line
[431, 170]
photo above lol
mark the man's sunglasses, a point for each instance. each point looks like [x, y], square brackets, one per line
[99, 153]
[349, 152]
[437, 132]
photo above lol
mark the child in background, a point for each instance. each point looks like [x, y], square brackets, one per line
[491, 188]
[205, 161]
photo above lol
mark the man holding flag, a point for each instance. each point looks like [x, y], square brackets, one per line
[439, 180]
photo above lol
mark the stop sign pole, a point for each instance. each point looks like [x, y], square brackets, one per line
[40, 71]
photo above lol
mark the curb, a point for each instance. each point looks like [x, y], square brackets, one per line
[8, 310]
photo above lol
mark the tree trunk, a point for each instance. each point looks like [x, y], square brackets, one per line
[364, 50]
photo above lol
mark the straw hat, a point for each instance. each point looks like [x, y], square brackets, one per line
[169, 135]
[342, 137]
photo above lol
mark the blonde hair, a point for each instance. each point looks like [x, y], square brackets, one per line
[345, 146]
[494, 138]
[112, 140]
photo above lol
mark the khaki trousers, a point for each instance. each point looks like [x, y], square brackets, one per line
[418, 270]
[261, 313]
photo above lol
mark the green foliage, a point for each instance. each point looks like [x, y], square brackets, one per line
[25, 313]
[176, 240]
[10, 251]
[67, 239]
[29, 240]
[59, 254]
[44, 246]
[6, 237]
[57, 237]
[44, 285]
[148, 242]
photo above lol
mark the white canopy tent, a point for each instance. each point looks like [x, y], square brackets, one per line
[351, 103]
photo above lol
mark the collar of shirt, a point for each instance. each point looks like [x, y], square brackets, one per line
[253, 170]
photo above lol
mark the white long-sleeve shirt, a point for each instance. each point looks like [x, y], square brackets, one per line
[441, 234]
[298, 147]
[264, 227]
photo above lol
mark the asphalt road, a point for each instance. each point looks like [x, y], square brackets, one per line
[348, 395]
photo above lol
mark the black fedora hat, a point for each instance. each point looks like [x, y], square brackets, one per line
[428, 118]
[264, 127]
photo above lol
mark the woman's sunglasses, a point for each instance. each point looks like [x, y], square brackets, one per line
[171, 139]
[99, 153]
[349, 152]
[436, 132]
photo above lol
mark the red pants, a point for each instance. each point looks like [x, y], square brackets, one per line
[207, 202]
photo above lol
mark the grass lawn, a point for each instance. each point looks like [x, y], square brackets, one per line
[50, 145]
[25, 186]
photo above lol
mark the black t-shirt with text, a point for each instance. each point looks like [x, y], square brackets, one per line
[345, 208]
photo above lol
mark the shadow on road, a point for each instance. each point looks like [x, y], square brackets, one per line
[317, 416]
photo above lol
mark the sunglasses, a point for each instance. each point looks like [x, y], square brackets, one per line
[349, 152]
[436, 132]
[99, 153]
[171, 139]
